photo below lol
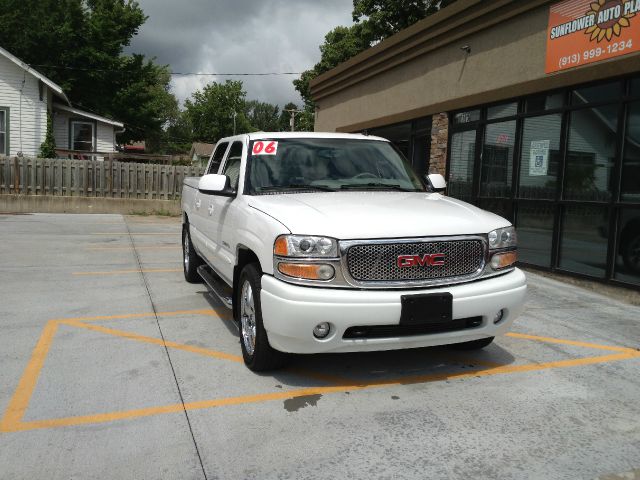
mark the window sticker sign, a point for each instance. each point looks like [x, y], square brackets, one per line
[265, 148]
[539, 161]
[587, 31]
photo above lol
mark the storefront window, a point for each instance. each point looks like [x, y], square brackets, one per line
[584, 240]
[635, 87]
[599, 93]
[535, 233]
[541, 103]
[630, 188]
[499, 207]
[497, 159]
[628, 258]
[502, 111]
[399, 135]
[591, 153]
[466, 117]
[540, 157]
[462, 155]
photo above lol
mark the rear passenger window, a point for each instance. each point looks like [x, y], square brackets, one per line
[218, 155]
[232, 167]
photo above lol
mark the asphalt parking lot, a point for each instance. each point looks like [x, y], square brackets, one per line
[114, 367]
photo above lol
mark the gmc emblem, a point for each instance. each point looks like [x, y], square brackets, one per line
[427, 260]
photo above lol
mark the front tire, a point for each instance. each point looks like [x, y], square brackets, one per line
[258, 355]
[473, 345]
[190, 259]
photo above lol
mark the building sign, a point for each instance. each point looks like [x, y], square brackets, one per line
[539, 161]
[588, 31]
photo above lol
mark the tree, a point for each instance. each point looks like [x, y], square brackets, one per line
[79, 45]
[210, 111]
[374, 20]
[382, 18]
[48, 147]
[262, 116]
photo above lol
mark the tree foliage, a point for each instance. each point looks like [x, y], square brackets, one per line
[210, 111]
[382, 18]
[79, 44]
[48, 147]
[262, 116]
[374, 20]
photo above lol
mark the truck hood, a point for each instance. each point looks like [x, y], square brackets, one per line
[357, 215]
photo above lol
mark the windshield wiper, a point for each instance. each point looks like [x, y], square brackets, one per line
[382, 186]
[295, 186]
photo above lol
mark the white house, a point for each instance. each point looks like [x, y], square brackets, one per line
[25, 98]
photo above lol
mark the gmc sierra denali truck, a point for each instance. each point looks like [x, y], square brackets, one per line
[326, 242]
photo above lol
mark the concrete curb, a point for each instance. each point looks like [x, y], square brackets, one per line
[54, 204]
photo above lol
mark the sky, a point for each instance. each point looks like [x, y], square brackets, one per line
[238, 36]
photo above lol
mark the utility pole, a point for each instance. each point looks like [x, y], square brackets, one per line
[292, 121]
[235, 114]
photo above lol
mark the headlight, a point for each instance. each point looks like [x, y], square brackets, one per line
[305, 246]
[503, 238]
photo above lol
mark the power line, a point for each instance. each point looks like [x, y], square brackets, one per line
[106, 70]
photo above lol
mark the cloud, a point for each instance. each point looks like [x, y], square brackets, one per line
[238, 36]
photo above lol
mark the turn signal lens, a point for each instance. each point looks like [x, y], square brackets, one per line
[281, 247]
[308, 272]
[504, 260]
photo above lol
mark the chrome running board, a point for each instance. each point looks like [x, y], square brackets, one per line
[217, 286]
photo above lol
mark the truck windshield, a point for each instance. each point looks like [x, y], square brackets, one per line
[327, 164]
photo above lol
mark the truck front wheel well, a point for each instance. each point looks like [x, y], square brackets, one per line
[245, 257]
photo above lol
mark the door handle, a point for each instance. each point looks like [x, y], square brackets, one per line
[211, 208]
[198, 203]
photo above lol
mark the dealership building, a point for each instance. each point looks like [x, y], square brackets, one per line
[531, 109]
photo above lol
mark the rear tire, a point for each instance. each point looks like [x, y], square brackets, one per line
[190, 259]
[258, 355]
[473, 345]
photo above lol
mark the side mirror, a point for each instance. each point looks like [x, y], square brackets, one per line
[436, 182]
[214, 184]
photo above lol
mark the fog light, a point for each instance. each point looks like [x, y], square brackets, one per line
[498, 317]
[321, 330]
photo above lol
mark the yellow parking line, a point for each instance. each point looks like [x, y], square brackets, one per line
[127, 316]
[122, 272]
[137, 233]
[20, 400]
[572, 342]
[156, 341]
[283, 395]
[137, 247]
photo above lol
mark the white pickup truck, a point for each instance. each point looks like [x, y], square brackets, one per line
[326, 242]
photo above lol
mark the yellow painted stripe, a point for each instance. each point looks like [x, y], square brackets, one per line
[283, 395]
[136, 315]
[137, 247]
[123, 272]
[571, 342]
[156, 341]
[137, 233]
[20, 400]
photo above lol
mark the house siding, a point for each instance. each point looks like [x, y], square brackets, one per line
[28, 114]
[104, 132]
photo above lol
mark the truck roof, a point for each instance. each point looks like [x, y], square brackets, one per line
[283, 135]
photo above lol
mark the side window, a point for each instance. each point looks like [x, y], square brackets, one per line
[217, 157]
[232, 166]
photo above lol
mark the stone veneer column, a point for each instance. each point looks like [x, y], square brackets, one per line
[439, 140]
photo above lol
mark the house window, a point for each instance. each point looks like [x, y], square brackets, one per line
[82, 136]
[4, 137]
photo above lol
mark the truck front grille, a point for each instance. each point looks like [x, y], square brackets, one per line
[378, 262]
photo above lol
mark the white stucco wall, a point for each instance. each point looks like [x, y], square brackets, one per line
[28, 114]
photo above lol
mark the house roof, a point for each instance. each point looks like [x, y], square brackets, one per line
[53, 86]
[90, 115]
[201, 149]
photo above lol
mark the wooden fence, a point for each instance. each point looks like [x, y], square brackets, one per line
[91, 178]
